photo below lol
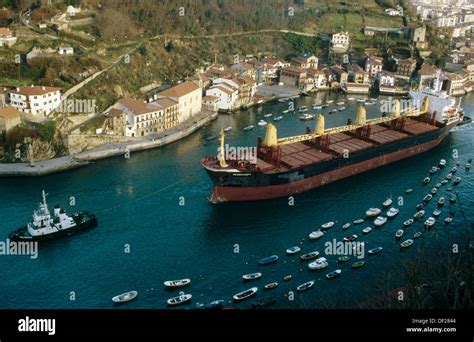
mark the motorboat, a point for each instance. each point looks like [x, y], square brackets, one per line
[328, 225]
[454, 169]
[408, 191]
[380, 221]
[406, 243]
[457, 180]
[427, 198]
[374, 251]
[245, 294]
[287, 277]
[344, 258]
[441, 201]
[388, 202]
[268, 115]
[433, 170]
[436, 213]
[318, 264]
[438, 185]
[408, 222]
[453, 199]
[434, 191]
[346, 226]
[392, 212]
[249, 128]
[177, 283]
[333, 274]
[420, 207]
[449, 176]
[430, 222]
[293, 250]
[252, 276]
[448, 220]
[125, 297]
[305, 286]
[358, 264]
[442, 163]
[306, 117]
[316, 235]
[419, 214]
[426, 180]
[262, 123]
[351, 238]
[417, 235]
[373, 212]
[268, 260]
[278, 118]
[228, 129]
[367, 230]
[271, 286]
[179, 300]
[309, 256]
[359, 221]
[399, 233]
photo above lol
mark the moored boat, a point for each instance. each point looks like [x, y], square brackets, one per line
[125, 297]
[305, 286]
[408, 222]
[358, 264]
[309, 256]
[344, 258]
[419, 214]
[434, 190]
[359, 221]
[427, 198]
[373, 212]
[392, 212]
[388, 202]
[333, 274]
[406, 243]
[252, 276]
[417, 235]
[436, 213]
[262, 123]
[430, 222]
[457, 180]
[328, 225]
[441, 201]
[271, 286]
[399, 233]
[316, 235]
[249, 128]
[380, 221]
[351, 238]
[268, 260]
[448, 220]
[346, 226]
[442, 163]
[367, 230]
[293, 250]
[374, 251]
[278, 118]
[426, 180]
[318, 264]
[245, 294]
[177, 283]
[306, 117]
[179, 300]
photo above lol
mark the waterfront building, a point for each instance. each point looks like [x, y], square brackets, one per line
[292, 76]
[357, 75]
[456, 83]
[210, 103]
[406, 67]
[373, 65]
[188, 95]
[227, 96]
[9, 118]
[36, 100]
[427, 74]
[116, 122]
[305, 61]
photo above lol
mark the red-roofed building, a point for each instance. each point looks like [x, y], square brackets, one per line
[188, 95]
[9, 118]
[7, 38]
[36, 100]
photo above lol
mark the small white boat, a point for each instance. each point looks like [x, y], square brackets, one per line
[427, 198]
[252, 276]
[351, 99]
[373, 212]
[306, 117]
[309, 256]
[417, 235]
[317, 107]
[278, 118]
[399, 233]
[303, 109]
[406, 243]
[333, 274]
[342, 103]
[359, 221]
[367, 230]
[329, 101]
[448, 220]
[361, 100]
[286, 111]
[341, 109]
[449, 176]
[442, 163]
[454, 169]
[430, 222]
[328, 225]
[388, 202]
[228, 129]
[436, 213]
[346, 226]
[453, 199]
[433, 170]
[408, 222]
[184, 298]
[332, 111]
[457, 180]
[444, 182]
[318, 264]
[434, 190]
[426, 180]
[441, 201]
[262, 123]
[271, 286]
[125, 297]
[245, 294]
[305, 286]
[287, 277]
[351, 238]
[392, 212]
[249, 128]
[380, 221]
[268, 115]
[293, 250]
[468, 166]
[177, 283]
[419, 214]
[316, 235]
[408, 191]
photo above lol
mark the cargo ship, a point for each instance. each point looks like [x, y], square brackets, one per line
[292, 165]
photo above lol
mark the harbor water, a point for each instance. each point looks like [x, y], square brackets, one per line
[156, 224]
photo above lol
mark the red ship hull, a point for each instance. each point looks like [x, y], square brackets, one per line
[239, 194]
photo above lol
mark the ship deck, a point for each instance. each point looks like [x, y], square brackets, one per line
[299, 154]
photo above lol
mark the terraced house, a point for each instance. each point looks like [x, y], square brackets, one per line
[36, 100]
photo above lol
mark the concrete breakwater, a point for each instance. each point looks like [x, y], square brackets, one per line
[111, 150]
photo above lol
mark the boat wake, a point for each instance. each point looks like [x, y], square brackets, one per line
[463, 128]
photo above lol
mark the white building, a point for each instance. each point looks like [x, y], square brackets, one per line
[72, 11]
[340, 42]
[227, 96]
[36, 100]
[7, 38]
[189, 97]
[447, 21]
[373, 65]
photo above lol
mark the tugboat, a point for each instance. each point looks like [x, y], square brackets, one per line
[45, 226]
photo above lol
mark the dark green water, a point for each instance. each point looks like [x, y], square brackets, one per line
[137, 204]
